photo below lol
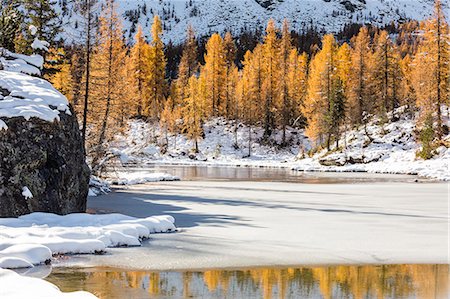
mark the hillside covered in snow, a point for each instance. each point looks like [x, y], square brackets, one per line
[209, 16]
[380, 148]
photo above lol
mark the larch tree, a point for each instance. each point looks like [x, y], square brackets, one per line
[157, 85]
[193, 110]
[230, 85]
[324, 89]
[297, 80]
[107, 81]
[188, 67]
[271, 84]
[245, 97]
[385, 74]
[61, 78]
[139, 55]
[87, 10]
[285, 101]
[431, 69]
[359, 79]
[215, 73]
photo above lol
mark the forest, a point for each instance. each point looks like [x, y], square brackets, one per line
[328, 85]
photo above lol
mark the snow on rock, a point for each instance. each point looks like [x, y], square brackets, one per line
[3, 125]
[32, 239]
[140, 177]
[98, 186]
[33, 29]
[38, 44]
[392, 150]
[26, 64]
[25, 96]
[15, 286]
[23, 255]
[26, 193]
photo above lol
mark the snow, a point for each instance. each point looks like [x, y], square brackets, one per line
[241, 224]
[15, 286]
[38, 44]
[98, 186]
[27, 193]
[3, 125]
[393, 149]
[33, 238]
[26, 64]
[30, 97]
[33, 29]
[208, 16]
[140, 177]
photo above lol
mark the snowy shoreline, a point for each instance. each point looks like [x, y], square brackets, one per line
[391, 149]
[35, 239]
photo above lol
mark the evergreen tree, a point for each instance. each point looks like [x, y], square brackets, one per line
[10, 23]
[43, 16]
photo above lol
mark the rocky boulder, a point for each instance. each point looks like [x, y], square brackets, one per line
[48, 159]
[42, 159]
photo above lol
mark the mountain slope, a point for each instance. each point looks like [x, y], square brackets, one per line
[209, 16]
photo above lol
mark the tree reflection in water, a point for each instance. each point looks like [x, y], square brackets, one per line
[389, 281]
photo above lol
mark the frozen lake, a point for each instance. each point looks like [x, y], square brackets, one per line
[236, 217]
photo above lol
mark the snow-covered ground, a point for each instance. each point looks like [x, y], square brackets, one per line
[392, 149]
[15, 286]
[244, 224]
[35, 238]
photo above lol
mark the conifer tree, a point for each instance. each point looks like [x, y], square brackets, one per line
[215, 73]
[431, 70]
[107, 81]
[157, 87]
[139, 55]
[43, 16]
[193, 110]
[271, 86]
[61, 77]
[324, 93]
[297, 82]
[285, 103]
[188, 66]
[359, 91]
[230, 55]
[10, 22]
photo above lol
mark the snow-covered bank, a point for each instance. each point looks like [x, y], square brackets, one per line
[388, 148]
[15, 286]
[32, 239]
[139, 177]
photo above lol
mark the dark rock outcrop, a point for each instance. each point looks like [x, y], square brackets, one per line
[46, 157]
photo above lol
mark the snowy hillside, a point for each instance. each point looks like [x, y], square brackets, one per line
[208, 16]
[391, 148]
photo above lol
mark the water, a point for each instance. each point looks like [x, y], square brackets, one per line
[389, 281]
[208, 173]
